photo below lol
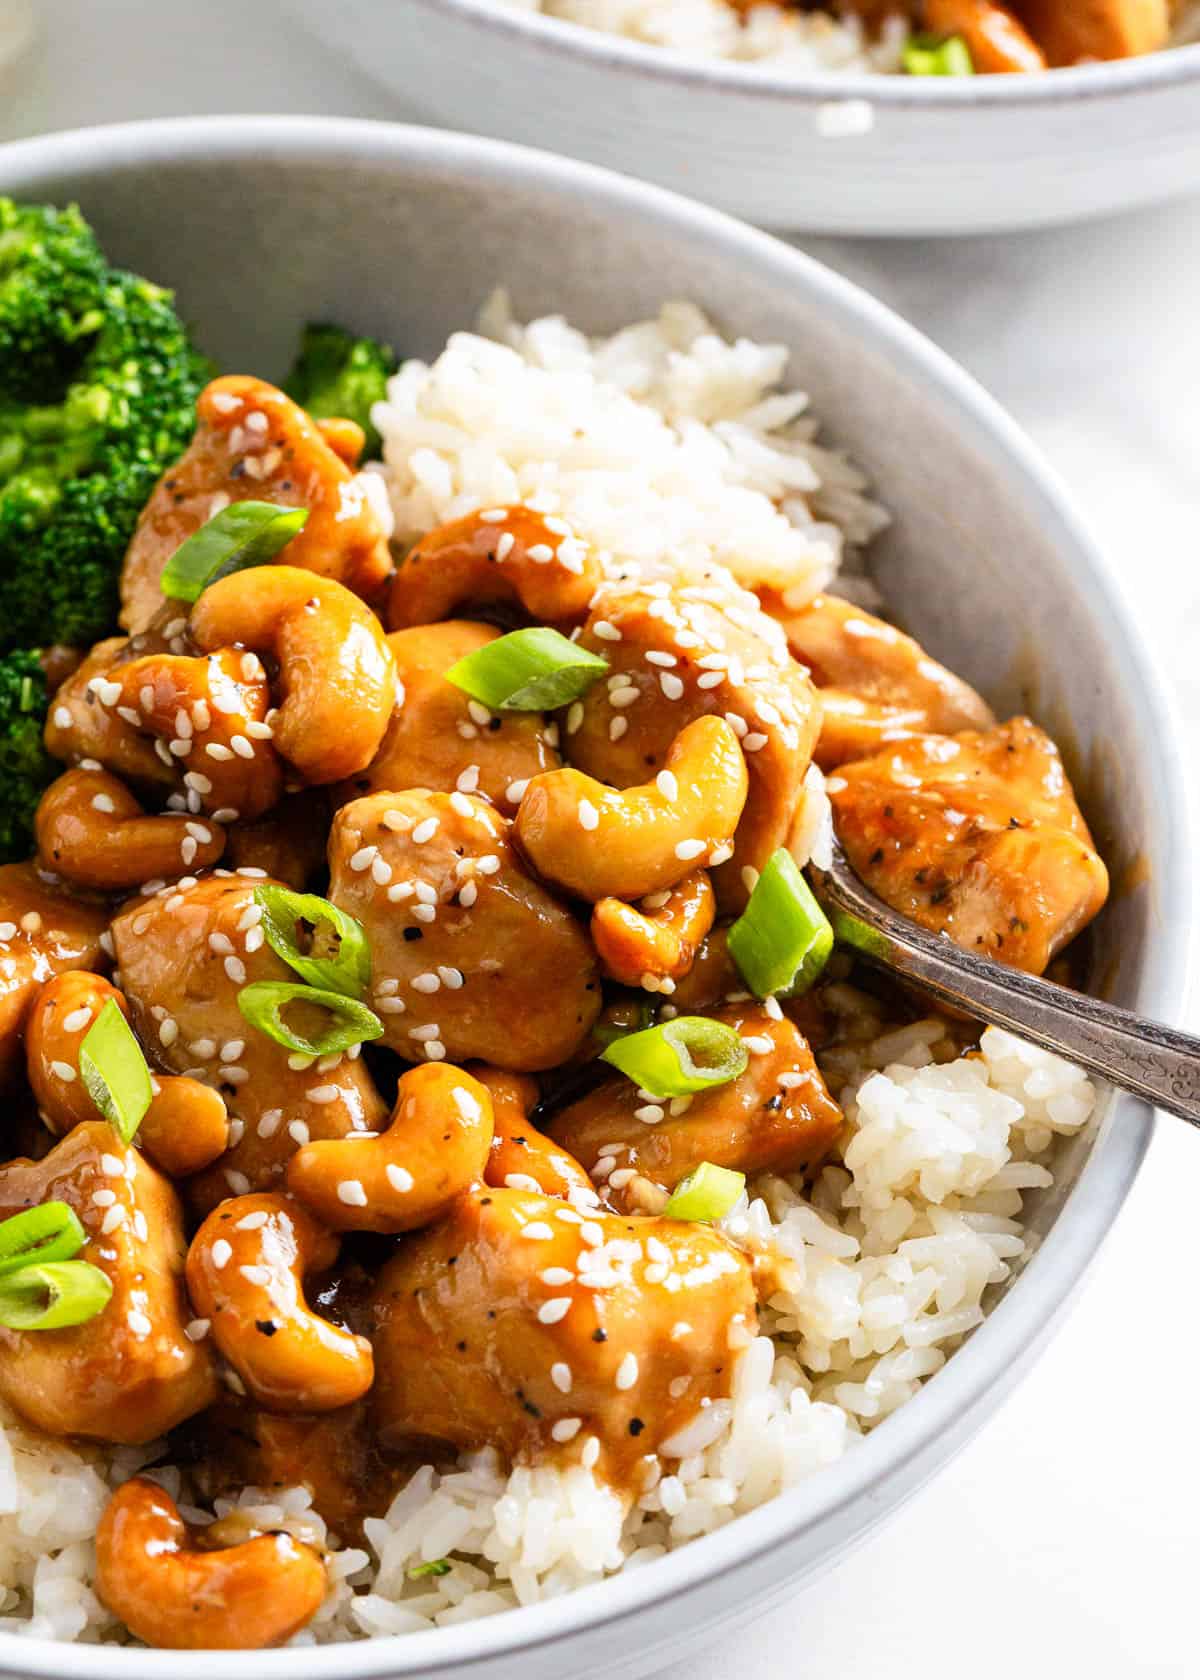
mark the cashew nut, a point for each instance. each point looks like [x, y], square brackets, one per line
[344, 436]
[602, 842]
[499, 554]
[995, 39]
[151, 1572]
[655, 945]
[208, 717]
[185, 1127]
[245, 1274]
[521, 1157]
[435, 1147]
[337, 678]
[92, 831]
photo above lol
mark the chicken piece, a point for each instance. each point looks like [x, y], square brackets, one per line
[288, 844]
[996, 41]
[876, 684]
[131, 1373]
[518, 1324]
[440, 738]
[43, 932]
[472, 957]
[522, 1157]
[184, 956]
[254, 443]
[680, 656]
[332, 1454]
[1076, 31]
[711, 978]
[775, 1117]
[79, 726]
[976, 836]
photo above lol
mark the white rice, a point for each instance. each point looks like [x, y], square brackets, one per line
[675, 452]
[797, 40]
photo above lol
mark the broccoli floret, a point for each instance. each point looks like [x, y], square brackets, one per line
[337, 374]
[25, 765]
[52, 279]
[75, 471]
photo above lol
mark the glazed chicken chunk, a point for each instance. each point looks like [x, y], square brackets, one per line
[977, 836]
[254, 442]
[473, 958]
[777, 1116]
[524, 1324]
[876, 684]
[43, 932]
[131, 1373]
[184, 956]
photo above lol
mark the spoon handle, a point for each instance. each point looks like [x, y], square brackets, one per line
[1142, 1056]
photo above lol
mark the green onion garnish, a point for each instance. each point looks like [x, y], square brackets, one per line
[678, 1058]
[782, 939]
[335, 953]
[243, 534]
[439, 1566]
[38, 1235]
[706, 1194]
[52, 1297]
[930, 55]
[114, 1071]
[528, 671]
[263, 1002]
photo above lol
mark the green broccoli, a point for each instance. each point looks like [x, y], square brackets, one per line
[25, 765]
[337, 374]
[52, 279]
[78, 461]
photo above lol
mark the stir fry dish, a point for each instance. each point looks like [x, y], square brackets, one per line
[907, 37]
[432, 1086]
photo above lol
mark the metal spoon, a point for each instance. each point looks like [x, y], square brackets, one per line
[1145, 1057]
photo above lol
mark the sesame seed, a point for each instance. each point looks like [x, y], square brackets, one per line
[710, 679]
[168, 1032]
[505, 546]
[574, 717]
[754, 742]
[686, 850]
[566, 1429]
[589, 817]
[617, 728]
[399, 1178]
[322, 1093]
[654, 657]
[390, 1006]
[479, 713]
[554, 1310]
[397, 821]
[138, 1322]
[381, 871]
[590, 1453]
[233, 1049]
[649, 1114]
[112, 1166]
[425, 831]
[537, 1231]
[790, 1080]
[102, 802]
[214, 749]
[63, 1071]
[758, 1044]
[351, 1192]
[113, 1220]
[540, 553]
[422, 1034]
[493, 516]
[197, 1329]
[667, 784]
[560, 1376]
[104, 1198]
[426, 983]
[363, 858]
[62, 717]
[428, 912]
[239, 1184]
[235, 968]
[622, 697]
[627, 1372]
[77, 1019]
[298, 1131]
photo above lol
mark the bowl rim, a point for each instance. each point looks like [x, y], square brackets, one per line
[1018, 1323]
[558, 38]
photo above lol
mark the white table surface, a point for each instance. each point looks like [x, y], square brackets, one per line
[1066, 1536]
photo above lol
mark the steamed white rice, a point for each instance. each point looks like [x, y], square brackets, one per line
[673, 451]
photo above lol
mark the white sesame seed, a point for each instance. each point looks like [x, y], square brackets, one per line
[537, 1231]
[425, 831]
[397, 821]
[351, 1192]
[322, 1093]
[590, 1453]
[622, 697]
[381, 871]
[671, 685]
[62, 717]
[63, 1071]
[235, 968]
[112, 1166]
[617, 728]
[168, 1032]
[627, 1372]
[505, 546]
[555, 1309]
[221, 944]
[428, 912]
[753, 743]
[102, 802]
[138, 1322]
[298, 1131]
[654, 657]
[197, 1329]
[426, 983]
[574, 717]
[422, 1034]
[710, 679]
[605, 631]
[667, 784]
[363, 858]
[104, 1198]
[758, 1044]
[113, 1220]
[649, 1114]
[589, 817]
[77, 1019]
[515, 791]
[479, 713]
[399, 1178]
[560, 1376]
[686, 850]
[390, 1006]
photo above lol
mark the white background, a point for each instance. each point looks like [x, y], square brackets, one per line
[1066, 1538]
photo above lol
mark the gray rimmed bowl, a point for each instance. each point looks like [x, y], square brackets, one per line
[262, 223]
[922, 155]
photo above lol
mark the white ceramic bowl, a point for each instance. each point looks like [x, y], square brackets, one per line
[940, 156]
[264, 223]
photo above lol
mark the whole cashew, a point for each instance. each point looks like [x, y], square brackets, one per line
[499, 554]
[93, 832]
[521, 1157]
[603, 842]
[337, 677]
[186, 1126]
[995, 39]
[152, 1574]
[435, 1147]
[658, 942]
[209, 720]
[245, 1274]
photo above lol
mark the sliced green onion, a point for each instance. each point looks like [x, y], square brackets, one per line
[54, 1296]
[439, 1566]
[679, 1057]
[114, 1071]
[38, 1235]
[933, 55]
[528, 671]
[243, 534]
[706, 1194]
[263, 1002]
[335, 953]
[782, 939]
